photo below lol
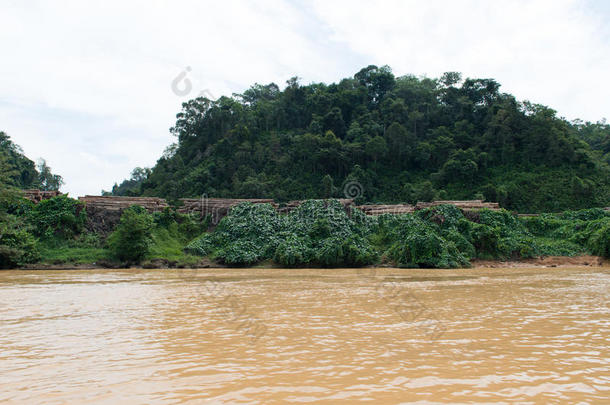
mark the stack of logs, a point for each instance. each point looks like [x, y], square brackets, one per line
[104, 212]
[386, 209]
[217, 208]
[37, 196]
[406, 208]
[464, 205]
[112, 203]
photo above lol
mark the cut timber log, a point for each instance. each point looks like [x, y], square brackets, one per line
[37, 196]
[379, 209]
[104, 212]
[113, 203]
[465, 205]
[373, 209]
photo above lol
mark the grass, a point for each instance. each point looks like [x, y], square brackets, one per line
[76, 255]
[168, 244]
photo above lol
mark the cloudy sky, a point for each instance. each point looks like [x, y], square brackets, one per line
[88, 84]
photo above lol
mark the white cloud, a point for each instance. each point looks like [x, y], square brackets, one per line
[554, 52]
[87, 84]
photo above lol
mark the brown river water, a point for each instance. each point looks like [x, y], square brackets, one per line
[215, 336]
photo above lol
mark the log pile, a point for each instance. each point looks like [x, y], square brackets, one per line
[37, 196]
[104, 212]
[379, 209]
[113, 203]
[464, 205]
[218, 208]
[386, 209]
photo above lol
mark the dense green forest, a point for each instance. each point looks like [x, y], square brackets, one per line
[19, 171]
[402, 139]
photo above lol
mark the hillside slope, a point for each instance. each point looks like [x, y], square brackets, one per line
[382, 138]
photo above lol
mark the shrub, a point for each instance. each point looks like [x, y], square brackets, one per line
[201, 246]
[294, 251]
[59, 216]
[420, 245]
[17, 245]
[132, 237]
[599, 242]
[320, 232]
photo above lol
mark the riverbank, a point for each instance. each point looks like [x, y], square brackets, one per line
[549, 261]
[317, 234]
[541, 262]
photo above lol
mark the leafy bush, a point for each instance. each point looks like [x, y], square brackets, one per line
[132, 238]
[294, 251]
[419, 242]
[320, 232]
[591, 214]
[201, 246]
[599, 241]
[58, 217]
[17, 245]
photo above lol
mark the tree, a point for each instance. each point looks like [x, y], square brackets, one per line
[22, 170]
[328, 186]
[131, 240]
[400, 142]
[376, 148]
[17, 245]
[46, 180]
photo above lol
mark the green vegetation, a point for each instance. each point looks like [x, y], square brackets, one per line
[404, 139]
[21, 172]
[131, 240]
[390, 139]
[320, 233]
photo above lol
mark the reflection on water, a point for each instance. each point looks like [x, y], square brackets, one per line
[334, 336]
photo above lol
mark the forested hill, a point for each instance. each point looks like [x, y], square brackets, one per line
[18, 171]
[399, 139]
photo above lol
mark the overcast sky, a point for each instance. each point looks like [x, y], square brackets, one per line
[88, 84]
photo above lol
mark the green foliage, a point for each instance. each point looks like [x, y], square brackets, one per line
[60, 217]
[404, 139]
[420, 244]
[201, 246]
[171, 234]
[318, 232]
[132, 238]
[17, 245]
[599, 242]
[15, 168]
[46, 179]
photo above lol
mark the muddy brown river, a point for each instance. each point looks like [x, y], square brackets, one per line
[265, 336]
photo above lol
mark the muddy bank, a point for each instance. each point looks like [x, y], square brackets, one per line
[549, 261]
[151, 264]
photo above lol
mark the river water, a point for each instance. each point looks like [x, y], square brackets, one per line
[307, 335]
